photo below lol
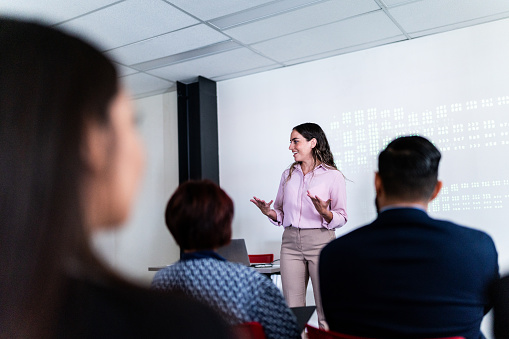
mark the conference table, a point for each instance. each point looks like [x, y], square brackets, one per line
[263, 269]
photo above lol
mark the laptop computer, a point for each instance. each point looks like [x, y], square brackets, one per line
[303, 314]
[235, 251]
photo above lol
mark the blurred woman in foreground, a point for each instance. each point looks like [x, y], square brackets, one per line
[70, 164]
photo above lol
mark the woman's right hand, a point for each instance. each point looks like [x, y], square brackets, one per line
[262, 205]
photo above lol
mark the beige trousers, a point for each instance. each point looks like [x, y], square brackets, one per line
[300, 250]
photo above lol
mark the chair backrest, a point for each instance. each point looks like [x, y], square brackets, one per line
[317, 333]
[249, 330]
[261, 258]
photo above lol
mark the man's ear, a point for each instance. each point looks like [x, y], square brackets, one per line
[378, 184]
[437, 189]
[95, 149]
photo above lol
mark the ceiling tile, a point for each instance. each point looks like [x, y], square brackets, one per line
[428, 14]
[188, 55]
[355, 48]
[238, 60]
[390, 3]
[167, 44]
[355, 31]
[244, 73]
[123, 70]
[463, 24]
[50, 11]
[128, 22]
[145, 34]
[301, 19]
[215, 8]
[259, 12]
[141, 83]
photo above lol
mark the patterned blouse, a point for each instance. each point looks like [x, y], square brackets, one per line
[238, 293]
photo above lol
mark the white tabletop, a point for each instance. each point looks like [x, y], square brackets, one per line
[264, 270]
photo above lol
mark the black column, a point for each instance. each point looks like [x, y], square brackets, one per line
[197, 130]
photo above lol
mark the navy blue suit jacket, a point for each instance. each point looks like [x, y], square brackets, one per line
[501, 308]
[407, 275]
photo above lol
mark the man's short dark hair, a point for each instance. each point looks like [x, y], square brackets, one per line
[408, 168]
[199, 216]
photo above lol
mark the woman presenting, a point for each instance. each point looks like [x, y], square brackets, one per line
[310, 204]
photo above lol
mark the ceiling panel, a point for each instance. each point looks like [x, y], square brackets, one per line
[167, 44]
[128, 22]
[175, 44]
[141, 83]
[192, 54]
[50, 11]
[246, 72]
[260, 12]
[346, 50]
[123, 70]
[390, 3]
[463, 24]
[301, 19]
[215, 65]
[428, 14]
[211, 9]
[355, 31]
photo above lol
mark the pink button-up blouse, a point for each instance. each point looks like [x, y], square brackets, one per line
[293, 206]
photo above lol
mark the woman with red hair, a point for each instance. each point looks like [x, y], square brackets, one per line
[199, 216]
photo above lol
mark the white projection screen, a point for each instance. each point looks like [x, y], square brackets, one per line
[452, 88]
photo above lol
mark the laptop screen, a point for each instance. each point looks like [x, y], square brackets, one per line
[235, 251]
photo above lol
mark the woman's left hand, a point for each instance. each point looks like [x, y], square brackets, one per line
[322, 207]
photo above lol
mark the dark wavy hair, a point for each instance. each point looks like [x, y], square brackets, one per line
[51, 85]
[321, 152]
[199, 216]
[408, 168]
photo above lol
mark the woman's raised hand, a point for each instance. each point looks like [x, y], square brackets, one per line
[262, 205]
[322, 207]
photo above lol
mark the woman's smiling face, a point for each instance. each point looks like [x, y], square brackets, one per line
[301, 148]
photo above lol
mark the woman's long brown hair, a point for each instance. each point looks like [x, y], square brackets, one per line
[51, 84]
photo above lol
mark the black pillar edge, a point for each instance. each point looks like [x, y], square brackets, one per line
[197, 130]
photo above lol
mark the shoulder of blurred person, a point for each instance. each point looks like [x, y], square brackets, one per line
[99, 309]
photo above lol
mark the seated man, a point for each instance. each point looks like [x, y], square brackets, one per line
[407, 275]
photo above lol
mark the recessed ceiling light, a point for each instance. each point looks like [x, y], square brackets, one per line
[260, 12]
[188, 55]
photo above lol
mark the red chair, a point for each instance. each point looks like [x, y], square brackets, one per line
[249, 330]
[261, 258]
[317, 333]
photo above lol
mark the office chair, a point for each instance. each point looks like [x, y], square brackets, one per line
[249, 330]
[317, 333]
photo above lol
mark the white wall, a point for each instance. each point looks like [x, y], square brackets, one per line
[451, 87]
[362, 100]
[145, 241]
